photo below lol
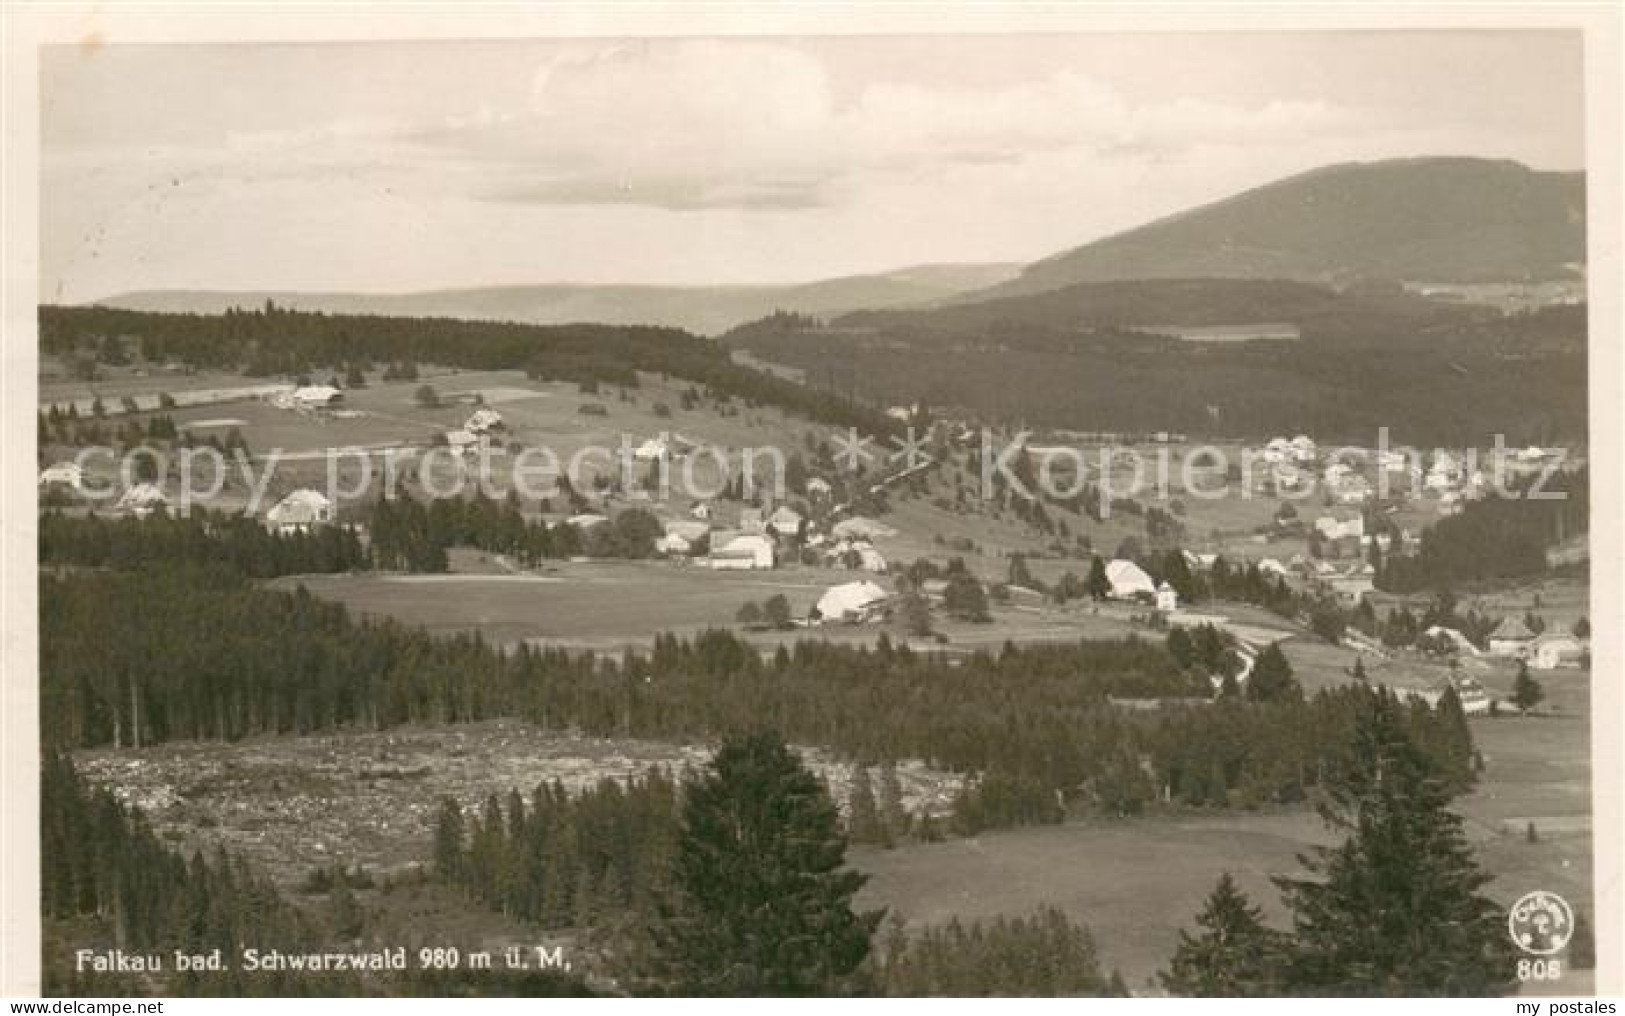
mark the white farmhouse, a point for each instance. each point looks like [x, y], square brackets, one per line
[1511, 638]
[142, 500]
[1557, 649]
[674, 545]
[852, 602]
[1167, 597]
[316, 396]
[743, 553]
[1129, 581]
[62, 474]
[784, 522]
[484, 421]
[300, 511]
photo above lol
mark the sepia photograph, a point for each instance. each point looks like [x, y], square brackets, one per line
[1027, 504]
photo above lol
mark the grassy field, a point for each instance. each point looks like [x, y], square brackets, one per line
[611, 605]
[1136, 882]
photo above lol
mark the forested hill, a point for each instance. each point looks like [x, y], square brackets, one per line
[1222, 357]
[1153, 304]
[1433, 219]
[273, 341]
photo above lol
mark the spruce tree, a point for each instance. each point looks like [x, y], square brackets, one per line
[1234, 955]
[893, 815]
[863, 812]
[1526, 691]
[1098, 585]
[449, 858]
[1271, 679]
[1396, 908]
[761, 899]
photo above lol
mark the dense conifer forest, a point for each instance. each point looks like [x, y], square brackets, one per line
[106, 871]
[1036, 722]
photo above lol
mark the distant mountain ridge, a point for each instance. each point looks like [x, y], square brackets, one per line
[1430, 219]
[707, 310]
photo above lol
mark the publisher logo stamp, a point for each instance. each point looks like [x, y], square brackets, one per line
[1541, 923]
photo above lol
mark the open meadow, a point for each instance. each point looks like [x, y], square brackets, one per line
[1136, 881]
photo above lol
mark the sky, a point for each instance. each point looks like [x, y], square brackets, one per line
[405, 166]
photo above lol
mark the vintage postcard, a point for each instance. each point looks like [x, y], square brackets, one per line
[675, 501]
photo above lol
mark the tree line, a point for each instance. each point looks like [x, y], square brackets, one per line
[1394, 908]
[161, 541]
[559, 860]
[104, 870]
[411, 535]
[1492, 538]
[1036, 724]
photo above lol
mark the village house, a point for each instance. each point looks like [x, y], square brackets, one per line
[674, 545]
[1353, 584]
[1511, 638]
[859, 554]
[1199, 562]
[681, 537]
[859, 528]
[484, 421]
[62, 474]
[1451, 636]
[586, 520]
[744, 552]
[751, 521]
[300, 511]
[461, 442]
[1341, 525]
[1167, 598]
[1129, 581]
[142, 500]
[870, 559]
[1475, 701]
[1270, 566]
[785, 522]
[1353, 488]
[316, 397]
[1558, 650]
[655, 449]
[852, 603]
[818, 488]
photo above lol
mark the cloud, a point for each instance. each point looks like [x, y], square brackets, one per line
[704, 124]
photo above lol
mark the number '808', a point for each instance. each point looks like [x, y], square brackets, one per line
[1540, 970]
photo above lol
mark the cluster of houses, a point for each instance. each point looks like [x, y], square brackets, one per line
[763, 540]
[1350, 580]
[1445, 475]
[1513, 639]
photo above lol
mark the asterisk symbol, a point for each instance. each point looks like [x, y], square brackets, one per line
[850, 449]
[910, 449]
